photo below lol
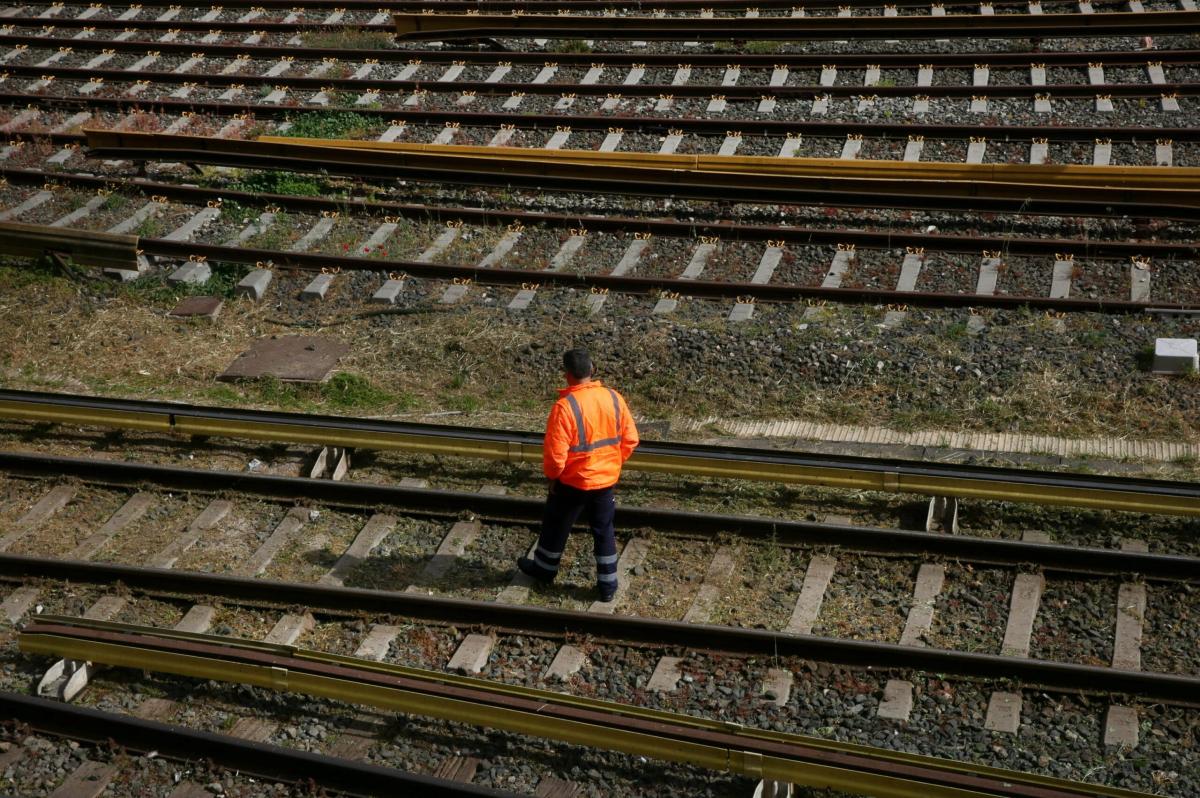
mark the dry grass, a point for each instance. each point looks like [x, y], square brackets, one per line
[478, 363]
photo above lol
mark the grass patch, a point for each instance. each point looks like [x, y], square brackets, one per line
[354, 392]
[225, 277]
[114, 202]
[278, 183]
[150, 227]
[332, 125]
[23, 272]
[278, 235]
[464, 403]
[571, 46]
[343, 393]
[763, 47]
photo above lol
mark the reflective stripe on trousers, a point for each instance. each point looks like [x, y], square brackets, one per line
[563, 508]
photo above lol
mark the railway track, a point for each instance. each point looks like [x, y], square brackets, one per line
[200, 197]
[767, 90]
[1001, 59]
[1020, 6]
[762, 621]
[1007, 484]
[679, 738]
[864, 28]
[119, 533]
[821, 240]
[771, 96]
[845, 240]
[235, 766]
[784, 131]
[663, 644]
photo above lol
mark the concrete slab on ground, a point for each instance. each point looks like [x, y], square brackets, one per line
[291, 358]
[203, 307]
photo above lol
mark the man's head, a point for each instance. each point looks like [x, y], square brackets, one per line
[577, 365]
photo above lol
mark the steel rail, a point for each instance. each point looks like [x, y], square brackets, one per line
[715, 127]
[167, 248]
[485, 26]
[259, 759]
[711, 744]
[1005, 59]
[508, 88]
[643, 181]
[1078, 176]
[762, 28]
[726, 231]
[853, 473]
[597, 5]
[85, 247]
[647, 286]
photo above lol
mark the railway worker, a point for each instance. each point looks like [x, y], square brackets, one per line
[589, 435]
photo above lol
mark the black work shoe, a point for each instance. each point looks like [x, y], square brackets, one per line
[533, 570]
[607, 595]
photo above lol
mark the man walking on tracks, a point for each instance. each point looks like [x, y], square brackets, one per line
[589, 435]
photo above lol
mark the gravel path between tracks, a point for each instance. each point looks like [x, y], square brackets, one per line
[1075, 622]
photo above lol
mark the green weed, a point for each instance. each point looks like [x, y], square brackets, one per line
[278, 183]
[763, 47]
[571, 46]
[353, 392]
[115, 202]
[332, 125]
[150, 227]
[465, 403]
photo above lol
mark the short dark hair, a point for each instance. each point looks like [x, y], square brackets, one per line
[578, 363]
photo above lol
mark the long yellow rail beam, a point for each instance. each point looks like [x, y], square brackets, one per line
[657, 180]
[784, 467]
[1149, 177]
[637, 731]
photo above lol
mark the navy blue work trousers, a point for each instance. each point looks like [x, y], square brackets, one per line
[564, 505]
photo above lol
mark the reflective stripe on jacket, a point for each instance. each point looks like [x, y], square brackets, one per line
[589, 435]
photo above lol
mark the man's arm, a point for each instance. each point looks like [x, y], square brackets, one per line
[556, 443]
[629, 433]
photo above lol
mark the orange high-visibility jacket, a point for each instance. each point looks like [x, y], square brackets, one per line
[589, 435]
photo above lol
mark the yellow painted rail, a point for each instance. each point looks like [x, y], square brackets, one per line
[693, 179]
[1150, 177]
[522, 448]
[707, 743]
